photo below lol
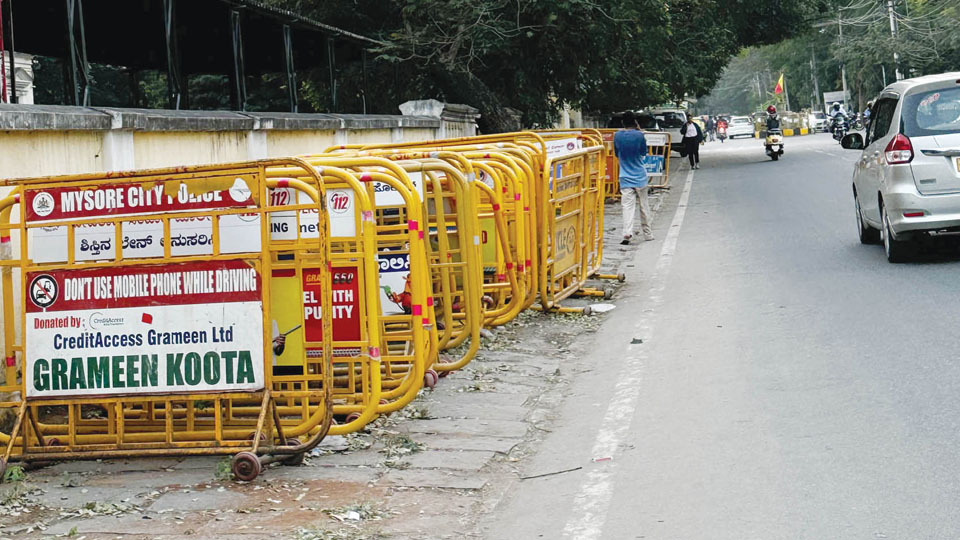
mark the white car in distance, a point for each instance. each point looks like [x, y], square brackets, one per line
[740, 126]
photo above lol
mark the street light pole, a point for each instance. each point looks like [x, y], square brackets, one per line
[816, 84]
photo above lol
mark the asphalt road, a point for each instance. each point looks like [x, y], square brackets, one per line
[790, 383]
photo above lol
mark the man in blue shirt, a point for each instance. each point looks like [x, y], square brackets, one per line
[629, 145]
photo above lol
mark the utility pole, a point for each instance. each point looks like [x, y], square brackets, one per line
[786, 93]
[756, 77]
[843, 67]
[816, 84]
[893, 34]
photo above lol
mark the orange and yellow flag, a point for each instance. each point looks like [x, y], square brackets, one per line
[779, 88]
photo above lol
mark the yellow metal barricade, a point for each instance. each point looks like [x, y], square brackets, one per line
[524, 164]
[450, 230]
[147, 321]
[569, 214]
[612, 169]
[504, 180]
[658, 160]
[395, 291]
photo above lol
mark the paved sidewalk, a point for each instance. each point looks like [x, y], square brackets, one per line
[428, 471]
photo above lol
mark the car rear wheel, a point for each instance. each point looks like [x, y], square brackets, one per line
[896, 250]
[868, 235]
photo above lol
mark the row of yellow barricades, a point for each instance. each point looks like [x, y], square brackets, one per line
[251, 309]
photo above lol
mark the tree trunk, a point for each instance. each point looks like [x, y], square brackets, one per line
[462, 87]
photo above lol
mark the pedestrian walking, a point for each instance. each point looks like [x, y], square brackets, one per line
[711, 128]
[629, 145]
[692, 137]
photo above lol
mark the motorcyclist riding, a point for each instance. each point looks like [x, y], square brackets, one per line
[836, 109]
[773, 122]
[773, 144]
[838, 118]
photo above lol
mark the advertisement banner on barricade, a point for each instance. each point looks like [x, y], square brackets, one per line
[395, 292]
[653, 165]
[658, 152]
[72, 203]
[288, 292]
[565, 243]
[162, 329]
[239, 233]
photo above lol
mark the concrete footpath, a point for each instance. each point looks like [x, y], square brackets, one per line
[431, 470]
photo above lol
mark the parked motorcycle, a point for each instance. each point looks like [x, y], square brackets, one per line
[774, 144]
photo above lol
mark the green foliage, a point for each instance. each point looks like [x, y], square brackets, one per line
[224, 470]
[926, 42]
[506, 57]
[535, 56]
[14, 474]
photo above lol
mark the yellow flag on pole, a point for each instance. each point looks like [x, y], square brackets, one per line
[779, 88]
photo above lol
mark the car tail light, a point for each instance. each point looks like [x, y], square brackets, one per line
[899, 150]
[913, 214]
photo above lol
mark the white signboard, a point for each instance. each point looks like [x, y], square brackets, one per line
[176, 328]
[562, 147]
[656, 138]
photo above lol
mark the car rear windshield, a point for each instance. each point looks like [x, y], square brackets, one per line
[647, 122]
[741, 121]
[935, 112]
[671, 119]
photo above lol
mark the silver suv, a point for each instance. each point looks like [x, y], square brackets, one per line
[907, 182]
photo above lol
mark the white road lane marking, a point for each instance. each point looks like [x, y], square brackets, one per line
[590, 506]
[840, 156]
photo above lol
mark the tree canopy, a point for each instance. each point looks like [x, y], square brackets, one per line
[534, 56]
[925, 42]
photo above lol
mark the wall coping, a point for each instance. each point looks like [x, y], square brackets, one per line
[17, 117]
[432, 108]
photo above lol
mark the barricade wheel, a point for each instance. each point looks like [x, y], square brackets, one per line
[294, 460]
[430, 378]
[607, 294]
[245, 466]
[587, 310]
[621, 277]
[3, 469]
[52, 441]
[352, 417]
